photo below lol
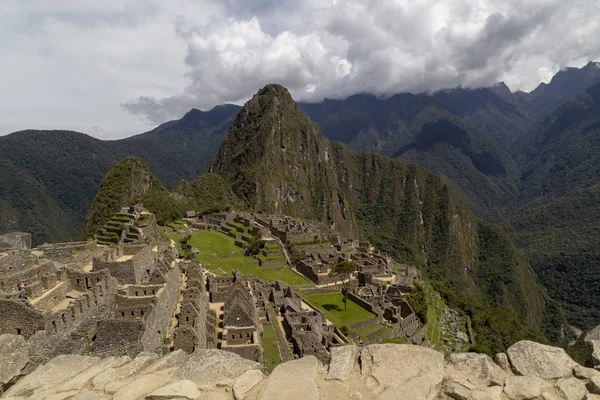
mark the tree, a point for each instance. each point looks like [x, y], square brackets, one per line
[255, 245]
[186, 248]
[343, 270]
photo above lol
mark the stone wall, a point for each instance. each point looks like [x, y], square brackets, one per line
[52, 297]
[32, 275]
[85, 310]
[159, 319]
[19, 319]
[133, 307]
[83, 281]
[250, 351]
[135, 270]
[118, 338]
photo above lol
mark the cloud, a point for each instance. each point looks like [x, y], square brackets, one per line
[381, 47]
[124, 65]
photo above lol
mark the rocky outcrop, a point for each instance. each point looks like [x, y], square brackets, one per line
[13, 358]
[384, 371]
[546, 362]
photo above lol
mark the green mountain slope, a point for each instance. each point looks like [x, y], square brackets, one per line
[129, 182]
[278, 162]
[558, 224]
[461, 134]
[48, 179]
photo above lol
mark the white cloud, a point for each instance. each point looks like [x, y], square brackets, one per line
[71, 65]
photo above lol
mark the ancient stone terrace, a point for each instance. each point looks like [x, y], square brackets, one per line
[129, 264]
[44, 295]
[320, 258]
[307, 328]
[288, 229]
[144, 305]
[390, 307]
[196, 321]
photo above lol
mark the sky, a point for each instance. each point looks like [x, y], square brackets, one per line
[112, 69]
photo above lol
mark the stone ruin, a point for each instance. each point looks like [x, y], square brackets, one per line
[390, 306]
[104, 300]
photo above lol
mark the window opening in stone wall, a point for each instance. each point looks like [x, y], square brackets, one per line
[122, 313]
[18, 331]
[133, 313]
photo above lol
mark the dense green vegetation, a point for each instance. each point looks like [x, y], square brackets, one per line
[209, 193]
[129, 182]
[48, 179]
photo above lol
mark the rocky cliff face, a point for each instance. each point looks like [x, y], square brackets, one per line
[278, 162]
[528, 370]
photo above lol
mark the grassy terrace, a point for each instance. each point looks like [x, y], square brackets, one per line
[363, 333]
[333, 307]
[434, 313]
[271, 356]
[214, 246]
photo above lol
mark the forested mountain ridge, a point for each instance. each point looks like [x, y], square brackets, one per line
[48, 179]
[557, 224]
[452, 133]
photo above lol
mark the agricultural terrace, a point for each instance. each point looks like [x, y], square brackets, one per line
[219, 254]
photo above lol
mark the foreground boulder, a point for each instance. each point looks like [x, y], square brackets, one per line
[13, 358]
[535, 359]
[403, 372]
[384, 371]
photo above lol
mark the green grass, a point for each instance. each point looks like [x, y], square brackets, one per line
[271, 356]
[211, 243]
[434, 313]
[177, 225]
[363, 333]
[395, 340]
[333, 307]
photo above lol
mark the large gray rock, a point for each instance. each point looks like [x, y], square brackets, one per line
[535, 359]
[90, 396]
[55, 372]
[212, 366]
[593, 384]
[293, 380]
[571, 389]
[464, 391]
[403, 372]
[83, 380]
[595, 348]
[112, 379]
[180, 390]
[13, 357]
[246, 382]
[140, 387]
[479, 366]
[526, 388]
[502, 361]
[342, 362]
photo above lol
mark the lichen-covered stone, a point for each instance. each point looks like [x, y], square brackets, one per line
[535, 359]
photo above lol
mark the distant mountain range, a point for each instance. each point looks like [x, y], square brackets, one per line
[525, 160]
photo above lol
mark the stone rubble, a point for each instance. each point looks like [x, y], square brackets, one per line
[528, 371]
